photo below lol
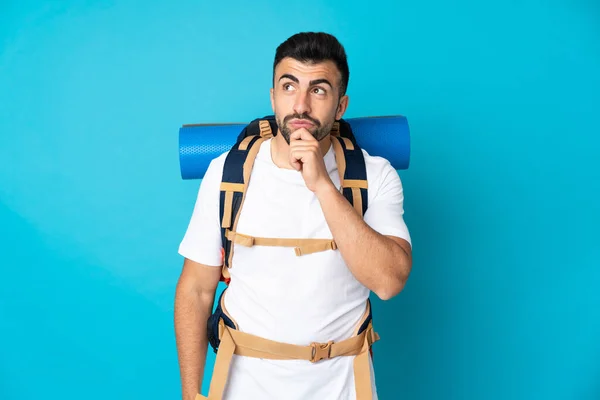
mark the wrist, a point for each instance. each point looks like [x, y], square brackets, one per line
[325, 189]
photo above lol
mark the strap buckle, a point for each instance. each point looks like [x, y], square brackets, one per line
[320, 351]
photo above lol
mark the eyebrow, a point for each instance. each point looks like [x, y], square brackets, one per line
[311, 83]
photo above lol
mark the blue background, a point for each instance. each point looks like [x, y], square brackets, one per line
[503, 103]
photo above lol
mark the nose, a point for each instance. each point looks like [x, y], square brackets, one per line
[302, 103]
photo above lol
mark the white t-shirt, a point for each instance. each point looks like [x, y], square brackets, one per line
[279, 296]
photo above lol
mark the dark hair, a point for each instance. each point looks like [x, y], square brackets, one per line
[315, 47]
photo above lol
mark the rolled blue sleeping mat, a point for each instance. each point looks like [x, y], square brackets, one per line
[199, 144]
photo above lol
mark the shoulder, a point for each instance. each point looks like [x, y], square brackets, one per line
[211, 182]
[215, 167]
[214, 171]
[379, 170]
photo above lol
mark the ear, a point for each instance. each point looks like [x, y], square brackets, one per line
[272, 100]
[342, 106]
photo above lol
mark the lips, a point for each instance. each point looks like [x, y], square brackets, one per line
[298, 124]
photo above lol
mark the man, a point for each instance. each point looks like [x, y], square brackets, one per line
[294, 193]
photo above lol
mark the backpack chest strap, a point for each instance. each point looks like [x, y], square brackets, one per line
[301, 246]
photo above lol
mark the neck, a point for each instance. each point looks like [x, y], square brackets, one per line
[280, 150]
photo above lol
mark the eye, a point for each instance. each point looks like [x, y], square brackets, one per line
[319, 91]
[288, 87]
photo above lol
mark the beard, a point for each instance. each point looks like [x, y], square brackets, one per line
[319, 131]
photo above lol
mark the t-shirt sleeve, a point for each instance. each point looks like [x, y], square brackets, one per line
[385, 211]
[202, 241]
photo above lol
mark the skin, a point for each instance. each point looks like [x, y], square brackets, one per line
[194, 298]
[306, 101]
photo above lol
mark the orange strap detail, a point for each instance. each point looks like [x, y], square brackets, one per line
[253, 346]
[335, 129]
[226, 222]
[229, 188]
[244, 344]
[356, 183]
[302, 246]
[232, 187]
[246, 142]
[340, 159]
[357, 201]
[265, 129]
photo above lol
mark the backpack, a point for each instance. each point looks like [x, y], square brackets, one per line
[236, 178]
[223, 332]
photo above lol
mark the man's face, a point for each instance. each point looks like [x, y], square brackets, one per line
[306, 95]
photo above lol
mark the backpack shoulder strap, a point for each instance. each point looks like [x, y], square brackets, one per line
[234, 182]
[351, 166]
[265, 127]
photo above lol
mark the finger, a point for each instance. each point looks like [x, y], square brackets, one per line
[300, 159]
[300, 156]
[296, 161]
[305, 142]
[304, 152]
[296, 135]
[302, 145]
[302, 134]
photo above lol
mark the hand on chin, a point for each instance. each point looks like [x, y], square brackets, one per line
[305, 156]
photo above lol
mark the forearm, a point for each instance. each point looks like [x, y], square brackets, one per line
[375, 260]
[191, 313]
